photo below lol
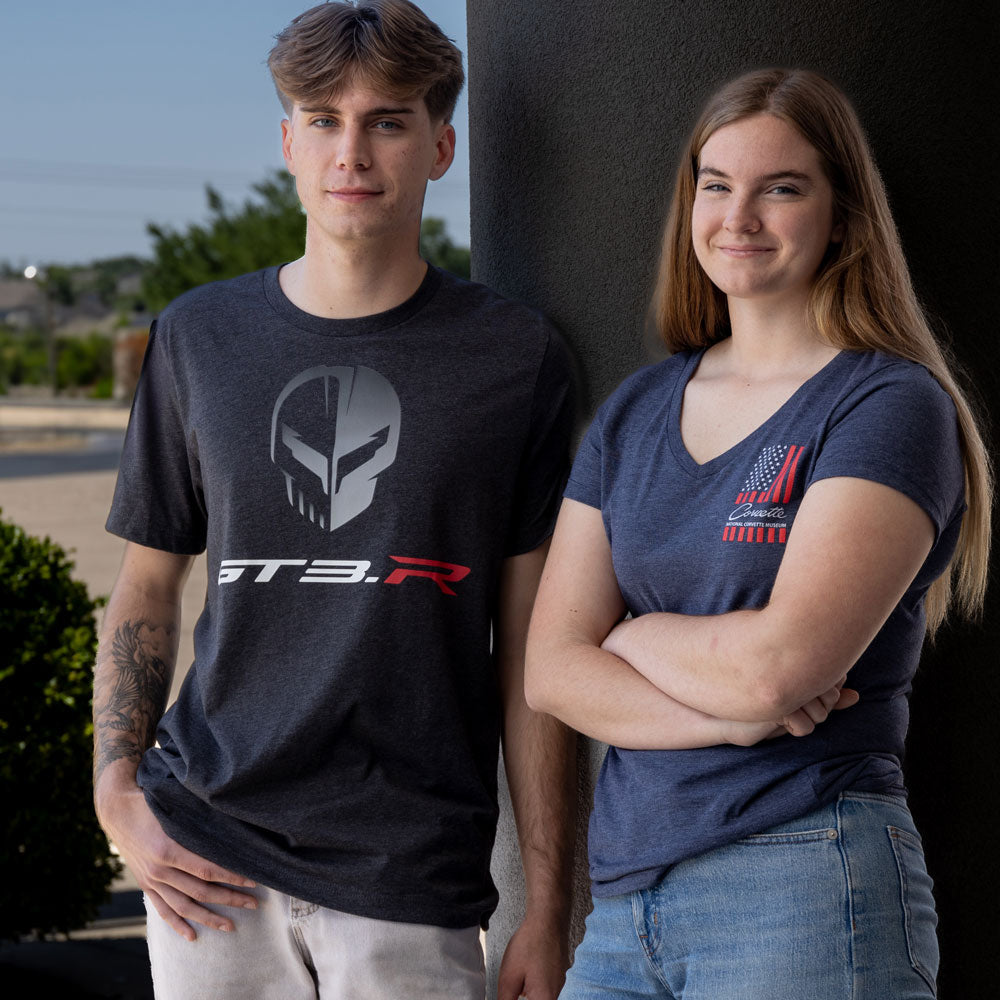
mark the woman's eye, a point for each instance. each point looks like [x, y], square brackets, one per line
[714, 186]
[784, 189]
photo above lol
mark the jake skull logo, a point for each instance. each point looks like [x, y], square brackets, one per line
[333, 431]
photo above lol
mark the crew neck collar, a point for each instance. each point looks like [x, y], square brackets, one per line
[291, 313]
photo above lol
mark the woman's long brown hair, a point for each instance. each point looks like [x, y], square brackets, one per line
[862, 298]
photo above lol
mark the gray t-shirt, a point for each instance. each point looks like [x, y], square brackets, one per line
[357, 484]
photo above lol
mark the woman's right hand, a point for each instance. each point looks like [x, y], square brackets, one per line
[803, 721]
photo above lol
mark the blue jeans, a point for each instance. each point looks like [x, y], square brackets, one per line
[836, 905]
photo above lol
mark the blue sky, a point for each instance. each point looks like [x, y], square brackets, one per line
[118, 112]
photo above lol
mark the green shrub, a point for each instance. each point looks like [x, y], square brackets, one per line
[83, 361]
[24, 359]
[104, 388]
[55, 867]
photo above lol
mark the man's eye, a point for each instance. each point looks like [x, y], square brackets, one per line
[323, 122]
[386, 126]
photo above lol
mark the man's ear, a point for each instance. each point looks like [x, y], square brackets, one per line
[286, 145]
[445, 151]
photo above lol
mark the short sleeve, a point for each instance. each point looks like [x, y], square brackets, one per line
[899, 428]
[585, 479]
[158, 498]
[545, 459]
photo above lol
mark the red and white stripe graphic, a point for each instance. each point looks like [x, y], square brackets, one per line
[770, 483]
[754, 533]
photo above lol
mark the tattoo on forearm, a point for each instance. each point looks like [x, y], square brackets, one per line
[131, 691]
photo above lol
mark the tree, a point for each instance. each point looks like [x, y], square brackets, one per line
[268, 229]
[59, 285]
[55, 866]
[106, 276]
[437, 248]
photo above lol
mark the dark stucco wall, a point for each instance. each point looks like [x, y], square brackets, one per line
[577, 110]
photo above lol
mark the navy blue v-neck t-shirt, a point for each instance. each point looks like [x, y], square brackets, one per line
[705, 539]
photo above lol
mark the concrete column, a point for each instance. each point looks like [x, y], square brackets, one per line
[577, 112]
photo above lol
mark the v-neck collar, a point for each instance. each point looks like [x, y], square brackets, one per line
[679, 449]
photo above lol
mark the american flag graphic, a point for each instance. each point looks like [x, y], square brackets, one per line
[770, 482]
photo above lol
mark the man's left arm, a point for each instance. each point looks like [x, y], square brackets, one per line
[540, 762]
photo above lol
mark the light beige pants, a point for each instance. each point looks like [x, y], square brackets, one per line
[290, 950]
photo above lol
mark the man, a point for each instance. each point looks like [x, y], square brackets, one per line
[371, 451]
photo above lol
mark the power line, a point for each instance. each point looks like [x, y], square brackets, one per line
[116, 175]
[89, 213]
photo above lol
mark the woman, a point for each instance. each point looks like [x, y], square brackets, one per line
[782, 504]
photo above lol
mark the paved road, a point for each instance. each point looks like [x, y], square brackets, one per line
[97, 451]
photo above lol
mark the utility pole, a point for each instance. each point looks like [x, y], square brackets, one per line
[40, 277]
